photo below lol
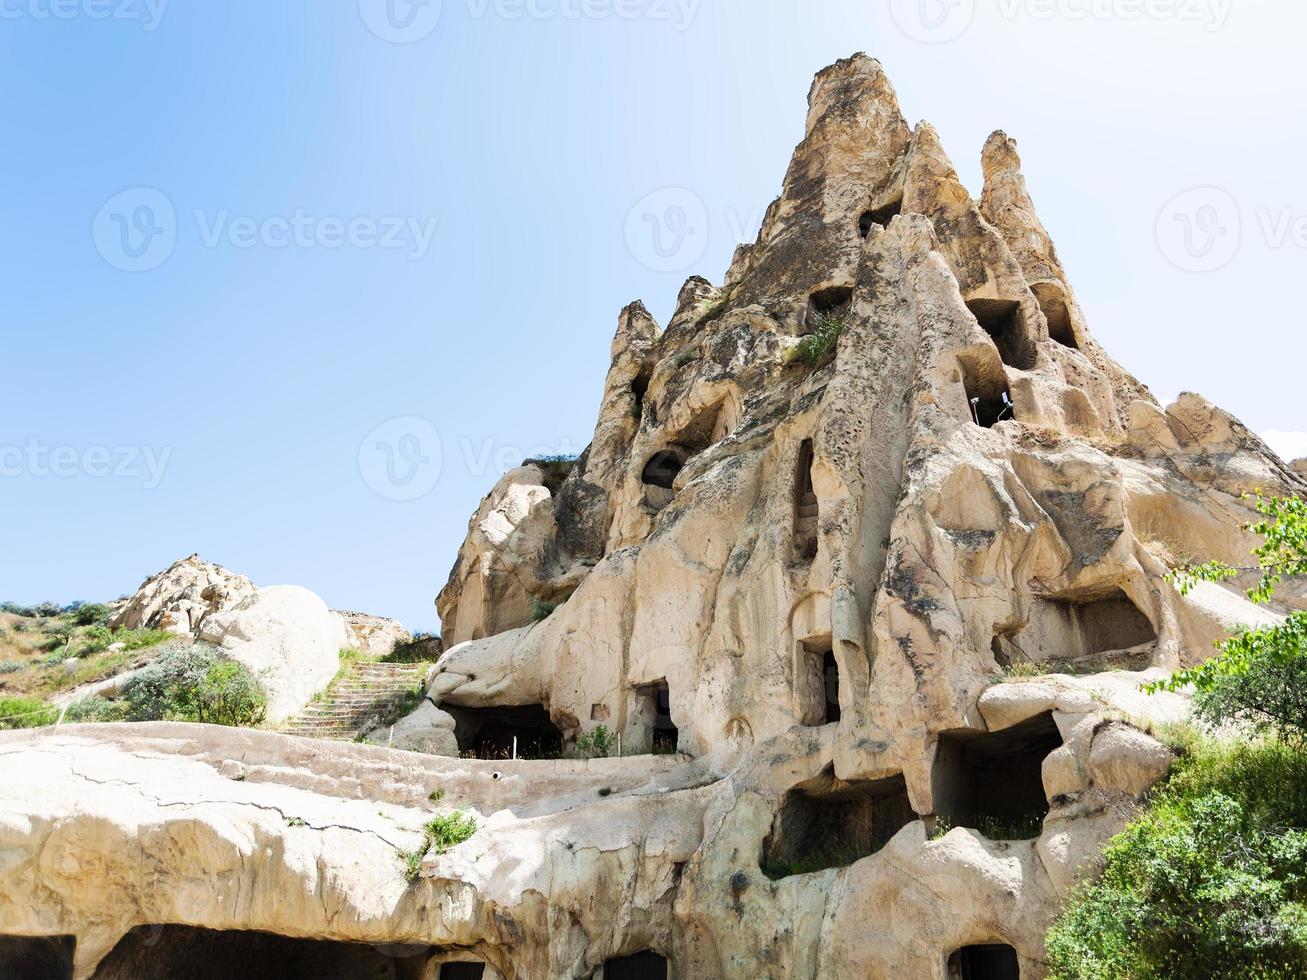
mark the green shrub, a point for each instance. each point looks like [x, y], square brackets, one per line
[556, 470]
[94, 639]
[95, 709]
[12, 666]
[440, 834]
[820, 345]
[26, 713]
[597, 743]
[1211, 881]
[194, 683]
[89, 615]
[542, 610]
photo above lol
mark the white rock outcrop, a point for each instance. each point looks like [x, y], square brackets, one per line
[288, 637]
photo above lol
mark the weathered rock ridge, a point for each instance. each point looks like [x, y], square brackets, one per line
[890, 606]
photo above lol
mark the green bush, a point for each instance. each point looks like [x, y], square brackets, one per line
[1211, 881]
[91, 614]
[12, 666]
[194, 683]
[597, 743]
[95, 709]
[439, 835]
[94, 639]
[542, 610]
[819, 346]
[26, 713]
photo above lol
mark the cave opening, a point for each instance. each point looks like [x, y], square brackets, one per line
[1002, 320]
[993, 781]
[989, 398]
[806, 510]
[656, 706]
[37, 957]
[994, 961]
[828, 822]
[490, 733]
[640, 390]
[186, 953]
[878, 217]
[1052, 301]
[1083, 634]
[818, 681]
[645, 965]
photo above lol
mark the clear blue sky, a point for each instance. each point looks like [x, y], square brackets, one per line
[256, 359]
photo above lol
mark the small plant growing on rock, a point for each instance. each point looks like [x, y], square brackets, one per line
[440, 835]
[819, 346]
[597, 743]
[542, 610]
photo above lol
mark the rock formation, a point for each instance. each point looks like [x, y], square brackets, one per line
[284, 633]
[864, 565]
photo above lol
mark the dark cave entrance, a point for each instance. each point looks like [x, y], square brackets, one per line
[878, 217]
[831, 303]
[990, 962]
[829, 823]
[1002, 320]
[993, 782]
[37, 957]
[640, 390]
[1052, 301]
[488, 733]
[186, 953]
[642, 966]
[818, 681]
[806, 510]
[656, 706]
[989, 399]
[1080, 634]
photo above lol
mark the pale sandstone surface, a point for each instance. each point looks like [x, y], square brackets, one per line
[744, 535]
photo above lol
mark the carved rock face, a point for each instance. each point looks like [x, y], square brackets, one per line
[823, 514]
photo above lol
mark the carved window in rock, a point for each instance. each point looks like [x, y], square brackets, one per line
[828, 822]
[818, 676]
[993, 781]
[806, 512]
[878, 217]
[1005, 324]
[826, 304]
[1052, 300]
[708, 427]
[646, 965]
[993, 961]
[639, 391]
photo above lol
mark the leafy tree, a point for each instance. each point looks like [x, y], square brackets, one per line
[90, 614]
[1260, 678]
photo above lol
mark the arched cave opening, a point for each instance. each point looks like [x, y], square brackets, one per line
[995, 961]
[187, 953]
[989, 399]
[646, 965]
[489, 733]
[655, 706]
[462, 971]
[829, 302]
[878, 217]
[639, 390]
[1081, 634]
[1002, 320]
[806, 511]
[993, 781]
[830, 823]
[1052, 300]
[37, 957]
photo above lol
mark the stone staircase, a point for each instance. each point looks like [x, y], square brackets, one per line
[362, 698]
